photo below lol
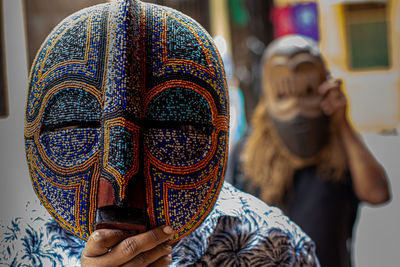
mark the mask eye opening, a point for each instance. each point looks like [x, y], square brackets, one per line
[69, 125]
[183, 126]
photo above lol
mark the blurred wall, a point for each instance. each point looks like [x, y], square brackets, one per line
[251, 31]
[42, 15]
[15, 187]
[373, 92]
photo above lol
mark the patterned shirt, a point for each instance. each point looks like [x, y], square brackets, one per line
[241, 230]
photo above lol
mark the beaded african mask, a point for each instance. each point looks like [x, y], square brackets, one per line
[127, 120]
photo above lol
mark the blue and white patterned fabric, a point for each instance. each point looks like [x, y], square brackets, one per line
[37, 240]
[240, 231]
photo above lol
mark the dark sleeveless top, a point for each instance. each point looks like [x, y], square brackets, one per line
[327, 212]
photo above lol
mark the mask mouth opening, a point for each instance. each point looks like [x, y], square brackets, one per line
[129, 214]
[122, 218]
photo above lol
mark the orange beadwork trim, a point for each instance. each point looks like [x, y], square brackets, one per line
[166, 61]
[48, 205]
[190, 227]
[121, 180]
[83, 63]
[36, 134]
[184, 84]
[93, 198]
[167, 186]
[149, 196]
[220, 123]
[188, 169]
[31, 128]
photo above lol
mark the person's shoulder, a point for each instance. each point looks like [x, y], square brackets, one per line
[242, 229]
[234, 202]
[36, 239]
[270, 227]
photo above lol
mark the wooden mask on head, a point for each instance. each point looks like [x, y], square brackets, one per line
[292, 72]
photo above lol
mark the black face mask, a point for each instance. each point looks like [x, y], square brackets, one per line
[303, 136]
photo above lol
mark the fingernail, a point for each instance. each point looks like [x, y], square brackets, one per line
[168, 230]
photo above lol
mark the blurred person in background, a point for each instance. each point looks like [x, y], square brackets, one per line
[303, 155]
[126, 137]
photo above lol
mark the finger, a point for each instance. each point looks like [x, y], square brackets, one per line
[327, 108]
[334, 96]
[330, 84]
[100, 241]
[152, 256]
[130, 247]
[162, 262]
[338, 101]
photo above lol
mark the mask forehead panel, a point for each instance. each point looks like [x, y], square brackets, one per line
[127, 93]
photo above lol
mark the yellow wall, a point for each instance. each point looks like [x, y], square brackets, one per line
[219, 18]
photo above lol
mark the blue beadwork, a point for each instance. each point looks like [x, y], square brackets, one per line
[123, 91]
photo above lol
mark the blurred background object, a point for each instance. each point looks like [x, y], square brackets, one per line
[296, 18]
[360, 41]
[237, 112]
[42, 15]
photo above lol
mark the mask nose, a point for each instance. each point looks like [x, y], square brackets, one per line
[120, 157]
[121, 191]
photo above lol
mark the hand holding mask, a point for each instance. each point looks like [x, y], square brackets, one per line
[108, 247]
[334, 103]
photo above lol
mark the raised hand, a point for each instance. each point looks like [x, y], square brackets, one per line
[334, 103]
[112, 247]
